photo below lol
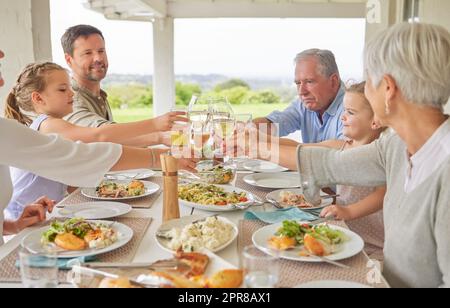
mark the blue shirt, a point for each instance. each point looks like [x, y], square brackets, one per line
[298, 117]
[29, 187]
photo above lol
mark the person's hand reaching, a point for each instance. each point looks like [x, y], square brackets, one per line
[35, 213]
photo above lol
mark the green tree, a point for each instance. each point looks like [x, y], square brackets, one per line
[232, 83]
[184, 92]
[133, 95]
[264, 97]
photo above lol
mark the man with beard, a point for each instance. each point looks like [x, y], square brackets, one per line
[85, 53]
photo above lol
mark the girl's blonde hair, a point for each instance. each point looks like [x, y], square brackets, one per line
[32, 79]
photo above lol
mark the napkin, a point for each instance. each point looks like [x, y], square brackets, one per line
[279, 215]
[62, 264]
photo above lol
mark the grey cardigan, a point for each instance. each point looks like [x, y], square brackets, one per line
[417, 224]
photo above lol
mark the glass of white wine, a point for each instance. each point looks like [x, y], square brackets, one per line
[199, 114]
[223, 122]
[244, 123]
[179, 134]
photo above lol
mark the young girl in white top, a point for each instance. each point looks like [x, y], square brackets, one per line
[44, 89]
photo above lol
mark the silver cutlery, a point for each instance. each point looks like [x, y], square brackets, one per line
[322, 220]
[326, 260]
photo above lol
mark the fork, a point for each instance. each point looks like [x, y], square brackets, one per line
[119, 177]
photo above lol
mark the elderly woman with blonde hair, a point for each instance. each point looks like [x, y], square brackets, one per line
[408, 84]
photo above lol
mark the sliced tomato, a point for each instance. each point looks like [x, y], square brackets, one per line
[221, 203]
[243, 199]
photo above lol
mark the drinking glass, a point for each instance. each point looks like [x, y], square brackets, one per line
[39, 267]
[244, 123]
[179, 134]
[223, 122]
[199, 115]
[261, 269]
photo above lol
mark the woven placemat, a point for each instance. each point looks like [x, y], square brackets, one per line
[293, 273]
[141, 203]
[10, 273]
[257, 191]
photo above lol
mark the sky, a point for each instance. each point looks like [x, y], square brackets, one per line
[233, 47]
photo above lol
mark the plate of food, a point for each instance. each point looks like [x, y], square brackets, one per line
[77, 237]
[199, 270]
[299, 241]
[274, 180]
[288, 198]
[194, 233]
[95, 210]
[222, 174]
[262, 166]
[134, 174]
[121, 190]
[214, 198]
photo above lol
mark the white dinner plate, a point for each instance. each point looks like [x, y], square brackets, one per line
[150, 189]
[262, 166]
[274, 180]
[222, 208]
[352, 247]
[95, 210]
[125, 234]
[184, 221]
[332, 284]
[275, 195]
[134, 174]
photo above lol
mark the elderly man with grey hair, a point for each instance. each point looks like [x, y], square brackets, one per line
[317, 113]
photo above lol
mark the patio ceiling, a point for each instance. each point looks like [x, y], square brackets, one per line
[148, 10]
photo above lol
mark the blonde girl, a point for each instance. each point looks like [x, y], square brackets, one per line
[44, 89]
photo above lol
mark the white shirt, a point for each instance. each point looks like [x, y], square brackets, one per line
[74, 164]
[429, 158]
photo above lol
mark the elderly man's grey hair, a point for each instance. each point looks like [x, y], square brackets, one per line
[417, 56]
[326, 59]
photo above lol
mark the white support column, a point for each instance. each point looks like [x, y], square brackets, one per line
[24, 37]
[164, 74]
[381, 14]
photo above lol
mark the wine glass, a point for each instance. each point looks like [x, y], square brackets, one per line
[199, 115]
[244, 123]
[223, 122]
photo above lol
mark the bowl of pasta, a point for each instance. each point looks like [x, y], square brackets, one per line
[216, 198]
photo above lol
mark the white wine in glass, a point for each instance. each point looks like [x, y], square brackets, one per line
[224, 128]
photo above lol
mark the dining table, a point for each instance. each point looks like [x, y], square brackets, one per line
[148, 249]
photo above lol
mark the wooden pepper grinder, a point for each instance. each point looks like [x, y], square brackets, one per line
[171, 208]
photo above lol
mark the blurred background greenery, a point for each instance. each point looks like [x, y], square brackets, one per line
[133, 101]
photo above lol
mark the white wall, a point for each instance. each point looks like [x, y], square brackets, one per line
[436, 12]
[380, 16]
[24, 38]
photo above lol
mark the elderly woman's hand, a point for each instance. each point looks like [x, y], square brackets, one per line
[35, 213]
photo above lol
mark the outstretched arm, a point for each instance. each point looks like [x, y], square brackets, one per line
[133, 134]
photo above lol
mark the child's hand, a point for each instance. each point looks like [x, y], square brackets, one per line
[340, 212]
